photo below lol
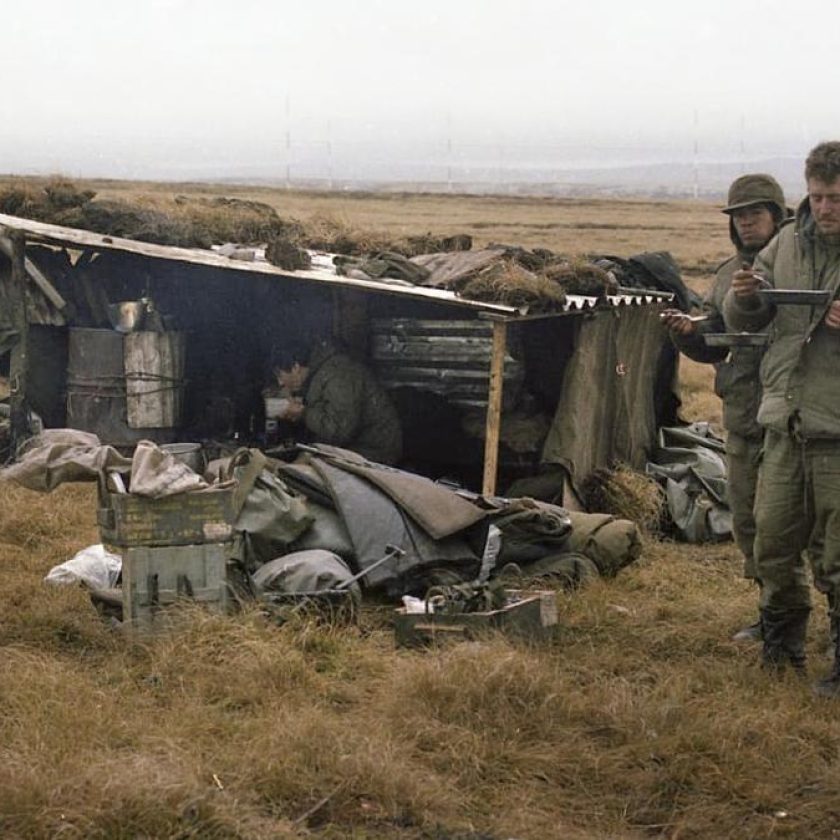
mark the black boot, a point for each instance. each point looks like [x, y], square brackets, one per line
[830, 686]
[784, 638]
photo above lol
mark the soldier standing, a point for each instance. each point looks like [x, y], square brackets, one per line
[798, 494]
[756, 209]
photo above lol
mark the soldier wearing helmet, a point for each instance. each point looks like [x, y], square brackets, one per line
[756, 210]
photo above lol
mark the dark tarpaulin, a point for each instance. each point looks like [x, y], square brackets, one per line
[690, 463]
[607, 412]
[374, 521]
[437, 509]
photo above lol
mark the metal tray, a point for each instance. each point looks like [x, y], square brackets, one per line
[528, 614]
[742, 339]
[796, 297]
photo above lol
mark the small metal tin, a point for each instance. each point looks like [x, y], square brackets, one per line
[742, 339]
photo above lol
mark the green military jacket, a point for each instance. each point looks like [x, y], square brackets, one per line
[736, 369]
[800, 372]
[346, 406]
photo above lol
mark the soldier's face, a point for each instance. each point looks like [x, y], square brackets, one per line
[292, 379]
[754, 225]
[825, 205]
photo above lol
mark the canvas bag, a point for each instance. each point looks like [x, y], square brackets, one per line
[269, 514]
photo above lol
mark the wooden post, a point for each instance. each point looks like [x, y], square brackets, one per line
[494, 408]
[19, 363]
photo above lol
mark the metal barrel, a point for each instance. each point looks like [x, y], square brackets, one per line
[96, 389]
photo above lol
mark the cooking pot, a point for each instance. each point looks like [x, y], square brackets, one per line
[190, 454]
[127, 315]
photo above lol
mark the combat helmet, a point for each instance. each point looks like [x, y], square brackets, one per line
[756, 189]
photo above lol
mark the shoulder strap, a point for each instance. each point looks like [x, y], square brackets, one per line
[253, 462]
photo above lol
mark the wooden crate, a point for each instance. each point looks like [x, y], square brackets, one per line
[155, 578]
[529, 614]
[205, 516]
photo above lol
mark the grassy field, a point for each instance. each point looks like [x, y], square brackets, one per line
[640, 720]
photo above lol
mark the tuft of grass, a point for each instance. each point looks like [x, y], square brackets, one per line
[579, 277]
[337, 235]
[628, 494]
[506, 282]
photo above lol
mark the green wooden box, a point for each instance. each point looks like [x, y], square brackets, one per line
[529, 614]
[183, 519]
[156, 578]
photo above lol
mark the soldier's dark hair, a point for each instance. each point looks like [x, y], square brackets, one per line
[779, 214]
[823, 162]
[284, 356]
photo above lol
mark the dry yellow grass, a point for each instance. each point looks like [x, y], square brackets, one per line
[628, 494]
[696, 391]
[640, 720]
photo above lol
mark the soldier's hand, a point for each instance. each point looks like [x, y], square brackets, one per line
[677, 322]
[294, 411]
[832, 317]
[746, 282]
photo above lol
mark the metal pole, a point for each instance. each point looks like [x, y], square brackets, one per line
[288, 143]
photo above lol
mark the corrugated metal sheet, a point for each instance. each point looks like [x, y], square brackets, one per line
[449, 358]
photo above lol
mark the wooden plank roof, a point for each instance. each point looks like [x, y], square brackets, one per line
[322, 274]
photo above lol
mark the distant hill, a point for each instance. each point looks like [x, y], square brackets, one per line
[679, 179]
[709, 179]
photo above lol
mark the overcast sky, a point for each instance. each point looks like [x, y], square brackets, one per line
[168, 88]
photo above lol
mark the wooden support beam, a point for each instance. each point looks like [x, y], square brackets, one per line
[38, 277]
[494, 408]
[21, 425]
[40, 280]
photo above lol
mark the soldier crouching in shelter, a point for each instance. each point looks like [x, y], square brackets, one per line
[756, 209]
[798, 494]
[338, 401]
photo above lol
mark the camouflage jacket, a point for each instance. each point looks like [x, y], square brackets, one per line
[737, 368]
[799, 372]
[346, 406]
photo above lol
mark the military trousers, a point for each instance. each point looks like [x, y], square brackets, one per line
[742, 459]
[797, 510]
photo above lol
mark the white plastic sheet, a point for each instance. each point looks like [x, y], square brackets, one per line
[93, 566]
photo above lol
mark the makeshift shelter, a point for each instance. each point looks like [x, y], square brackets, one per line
[600, 368]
